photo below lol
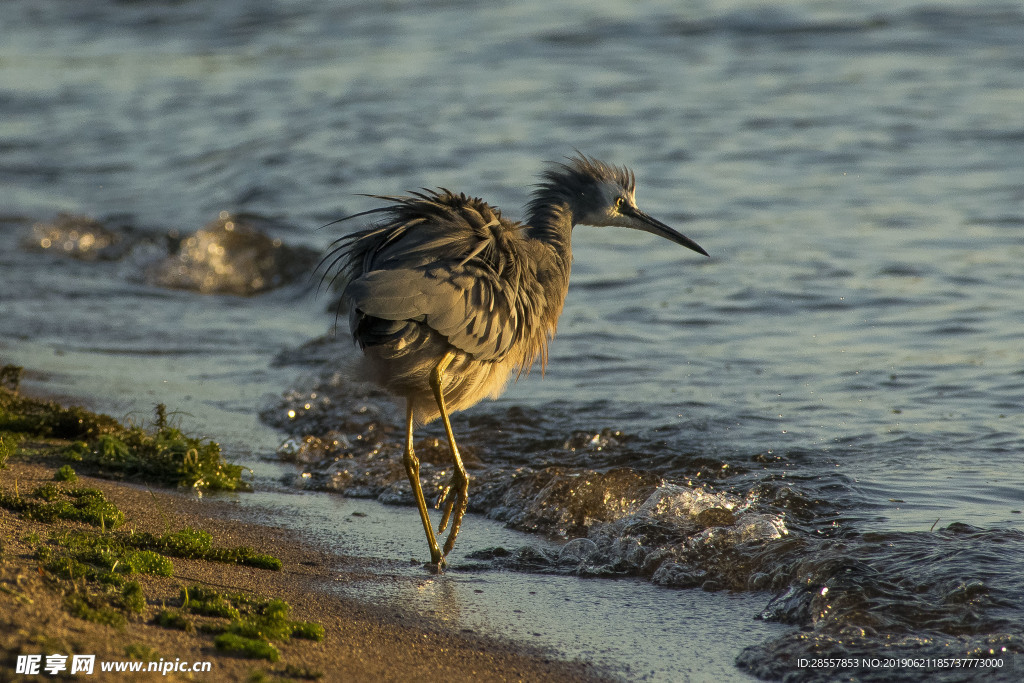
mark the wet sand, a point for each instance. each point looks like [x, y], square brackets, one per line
[364, 641]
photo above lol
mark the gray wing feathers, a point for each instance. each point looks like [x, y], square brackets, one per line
[469, 308]
[450, 262]
[390, 294]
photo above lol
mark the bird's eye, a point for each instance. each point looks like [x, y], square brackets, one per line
[620, 202]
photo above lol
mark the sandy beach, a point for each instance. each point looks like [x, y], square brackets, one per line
[363, 641]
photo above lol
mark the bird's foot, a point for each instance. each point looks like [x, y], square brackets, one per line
[453, 500]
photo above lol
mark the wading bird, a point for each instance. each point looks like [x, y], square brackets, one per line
[447, 298]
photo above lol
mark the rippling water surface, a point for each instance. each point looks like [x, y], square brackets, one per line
[826, 412]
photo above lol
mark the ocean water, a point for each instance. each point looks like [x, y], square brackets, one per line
[824, 417]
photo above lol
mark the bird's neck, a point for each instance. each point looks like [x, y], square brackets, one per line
[549, 230]
[550, 220]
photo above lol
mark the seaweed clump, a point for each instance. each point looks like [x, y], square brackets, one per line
[242, 625]
[252, 623]
[52, 502]
[193, 544]
[160, 453]
[47, 419]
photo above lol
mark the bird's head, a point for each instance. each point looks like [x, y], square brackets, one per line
[602, 195]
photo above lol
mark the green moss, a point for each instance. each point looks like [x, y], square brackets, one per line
[105, 560]
[111, 450]
[171, 618]
[307, 630]
[188, 542]
[93, 568]
[93, 608]
[250, 619]
[64, 567]
[66, 473]
[48, 492]
[208, 603]
[269, 622]
[193, 544]
[246, 556]
[54, 502]
[94, 508]
[213, 628]
[108, 559]
[247, 647]
[99, 557]
[196, 593]
[49, 512]
[132, 597]
[148, 562]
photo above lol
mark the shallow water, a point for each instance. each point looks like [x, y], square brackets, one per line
[832, 401]
[635, 630]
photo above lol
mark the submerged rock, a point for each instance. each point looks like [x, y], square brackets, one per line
[231, 257]
[76, 236]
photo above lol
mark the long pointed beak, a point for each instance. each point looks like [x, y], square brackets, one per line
[656, 227]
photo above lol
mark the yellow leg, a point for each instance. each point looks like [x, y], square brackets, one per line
[412, 468]
[455, 496]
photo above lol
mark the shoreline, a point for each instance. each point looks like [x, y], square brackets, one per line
[363, 639]
[623, 629]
